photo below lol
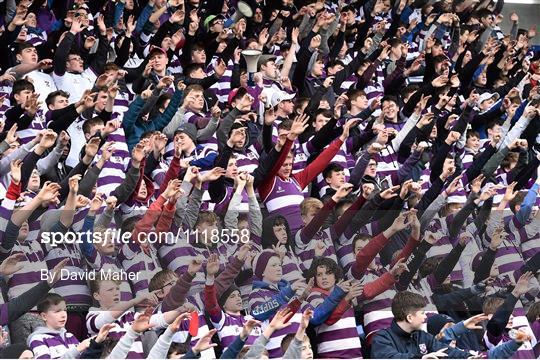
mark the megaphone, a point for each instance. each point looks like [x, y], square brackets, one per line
[251, 56]
[242, 10]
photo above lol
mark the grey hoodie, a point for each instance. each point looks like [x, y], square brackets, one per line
[53, 344]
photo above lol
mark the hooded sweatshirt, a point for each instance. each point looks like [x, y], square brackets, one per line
[265, 300]
[46, 343]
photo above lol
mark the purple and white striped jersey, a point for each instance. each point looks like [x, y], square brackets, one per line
[30, 273]
[377, 311]
[339, 340]
[177, 253]
[182, 335]
[75, 289]
[260, 296]
[223, 86]
[97, 318]
[285, 198]
[114, 170]
[46, 343]
[229, 327]
[38, 123]
[135, 261]
[305, 248]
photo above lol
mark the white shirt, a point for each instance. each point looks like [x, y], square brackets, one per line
[75, 84]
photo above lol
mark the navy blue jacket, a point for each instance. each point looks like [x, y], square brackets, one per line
[396, 343]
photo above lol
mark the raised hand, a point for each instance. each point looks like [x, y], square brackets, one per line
[510, 194]
[172, 187]
[56, 271]
[205, 342]
[299, 125]
[138, 154]
[389, 193]
[11, 136]
[472, 322]
[74, 183]
[11, 264]
[212, 265]
[15, 172]
[49, 192]
[175, 325]
[347, 129]
[48, 139]
[279, 321]
[91, 148]
[522, 285]
[399, 268]
[111, 202]
[104, 332]
[83, 345]
[355, 290]
[212, 175]
[248, 327]
[142, 322]
[195, 265]
[95, 203]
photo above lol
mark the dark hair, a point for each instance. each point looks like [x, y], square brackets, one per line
[353, 94]
[23, 46]
[517, 200]
[359, 237]
[409, 89]
[197, 46]
[334, 62]
[395, 42]
[405, 303]
[492, 124]
[428, 266]
[49, 301]
[482, 13]
[191, 68]
[180, 348]
[87, 125]
[21, 85]
[324, 112]
[389, 98]
[330, 168]
[339, 209]
[331, 267]
[129, 224]
[285, 124]
[160, 102]
[472, 133]
[52, 96]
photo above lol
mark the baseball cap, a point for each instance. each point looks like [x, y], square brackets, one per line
[156, 50]
[280, 96]
[236, 94]
[486, 96]
[211, 18]
[263, 59]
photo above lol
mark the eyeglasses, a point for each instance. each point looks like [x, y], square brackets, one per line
[77, 58]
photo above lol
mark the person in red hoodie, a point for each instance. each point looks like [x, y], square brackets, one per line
[282, 191]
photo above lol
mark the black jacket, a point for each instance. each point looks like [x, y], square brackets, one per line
[396, 343]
